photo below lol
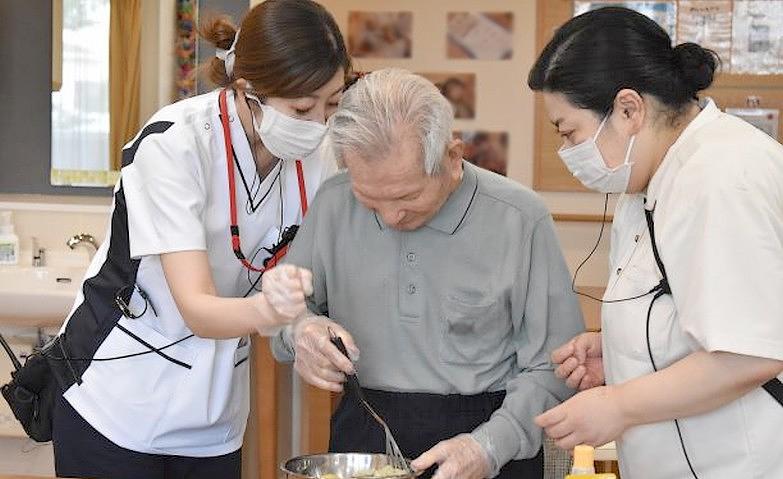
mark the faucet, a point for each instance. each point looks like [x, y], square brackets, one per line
[82, 238]
[39, 254]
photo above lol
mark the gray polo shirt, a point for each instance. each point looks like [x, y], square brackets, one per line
[474, 301]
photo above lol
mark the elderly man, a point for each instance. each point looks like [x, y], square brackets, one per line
[448, 277]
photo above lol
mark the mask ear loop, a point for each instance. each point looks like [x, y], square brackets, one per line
[601, 126]
[628, 151]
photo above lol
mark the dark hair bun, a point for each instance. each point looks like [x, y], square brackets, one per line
[697, 65]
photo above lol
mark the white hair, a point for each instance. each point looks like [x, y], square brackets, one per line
[386, 107]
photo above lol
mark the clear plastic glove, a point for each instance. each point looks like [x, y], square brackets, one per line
[317, 360]
[580, 362]
[460, 457]
[285, 287]
[592, 417]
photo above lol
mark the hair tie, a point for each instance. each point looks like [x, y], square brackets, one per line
[228, 56]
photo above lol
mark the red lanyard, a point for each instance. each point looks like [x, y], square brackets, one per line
[232, 194]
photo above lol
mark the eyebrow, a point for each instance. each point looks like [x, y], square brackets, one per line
[396, 196]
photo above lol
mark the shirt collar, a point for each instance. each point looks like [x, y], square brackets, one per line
[709, 112]
[454, 211]
[243, 157]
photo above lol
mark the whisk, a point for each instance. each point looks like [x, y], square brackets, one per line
[392, 449]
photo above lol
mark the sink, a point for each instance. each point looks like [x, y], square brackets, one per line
[37, 296]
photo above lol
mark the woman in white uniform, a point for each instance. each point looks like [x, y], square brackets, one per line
[692, 320]
[156, 384]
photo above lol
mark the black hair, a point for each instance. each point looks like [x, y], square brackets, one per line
[595, 55]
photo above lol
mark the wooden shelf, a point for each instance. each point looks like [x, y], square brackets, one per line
[581, 218]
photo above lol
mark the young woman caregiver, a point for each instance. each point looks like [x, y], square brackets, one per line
[157, 385]
[692, 320]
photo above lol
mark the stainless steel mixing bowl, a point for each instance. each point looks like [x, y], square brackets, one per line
[345, 466]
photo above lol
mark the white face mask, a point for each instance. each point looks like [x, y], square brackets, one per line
[586, 163]
[285, 137]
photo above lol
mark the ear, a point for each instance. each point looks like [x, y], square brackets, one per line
[630, 111]
[455, 150]
[452, 161]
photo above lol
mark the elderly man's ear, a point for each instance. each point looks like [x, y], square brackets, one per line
[455, 151]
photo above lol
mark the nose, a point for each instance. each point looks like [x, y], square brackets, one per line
[392, 216]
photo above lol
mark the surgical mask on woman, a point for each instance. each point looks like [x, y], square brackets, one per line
[285, 137]
[587, 164]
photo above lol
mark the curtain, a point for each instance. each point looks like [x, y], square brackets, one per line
[124, 77]
[80, 109]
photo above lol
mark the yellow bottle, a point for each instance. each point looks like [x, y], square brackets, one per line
[584, 465]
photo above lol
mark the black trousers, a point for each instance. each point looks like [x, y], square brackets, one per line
[82, 452]
[418, 422]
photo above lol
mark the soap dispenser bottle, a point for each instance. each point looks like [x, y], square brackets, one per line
[9, 242]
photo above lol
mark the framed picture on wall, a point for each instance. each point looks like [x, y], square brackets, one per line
[459, 89]
[480, 36]
[380, 34]
[488, 150]
[663, 12]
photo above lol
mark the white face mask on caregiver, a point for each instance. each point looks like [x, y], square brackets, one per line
[587, 164]
[286, 137]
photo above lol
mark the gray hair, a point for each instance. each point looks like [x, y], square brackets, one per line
[375, 113]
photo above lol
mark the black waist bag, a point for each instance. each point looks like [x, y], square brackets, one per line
[32, 392]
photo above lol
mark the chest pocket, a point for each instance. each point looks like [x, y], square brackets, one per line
[473, 331]
[625, 322]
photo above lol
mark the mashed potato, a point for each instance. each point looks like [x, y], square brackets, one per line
[380, 473]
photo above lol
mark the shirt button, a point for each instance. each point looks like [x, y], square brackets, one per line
[411, 257]
[207, 126]
[636, 239]
[619, 270]
[411, 288]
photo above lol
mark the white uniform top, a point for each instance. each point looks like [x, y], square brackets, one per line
[173, 196]
[718, 198]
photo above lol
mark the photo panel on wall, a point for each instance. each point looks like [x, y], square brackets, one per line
[480, 35]
[485, 149]
[380, 34]
[459, 89]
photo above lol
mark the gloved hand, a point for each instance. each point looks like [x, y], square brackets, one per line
[285, 287]
[580, 362]
[460, 457]
[317, 360]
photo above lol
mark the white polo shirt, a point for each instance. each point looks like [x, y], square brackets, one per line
[718, 199]
[192, 398]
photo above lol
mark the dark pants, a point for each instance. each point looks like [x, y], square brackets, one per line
[418, 422]
[82, 452]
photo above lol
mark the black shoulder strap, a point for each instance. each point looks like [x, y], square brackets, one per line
[774, 386]
[663, 286]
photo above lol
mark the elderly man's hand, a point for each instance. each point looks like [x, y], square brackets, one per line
[317, 360]
[460, 457]
[580, 362]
